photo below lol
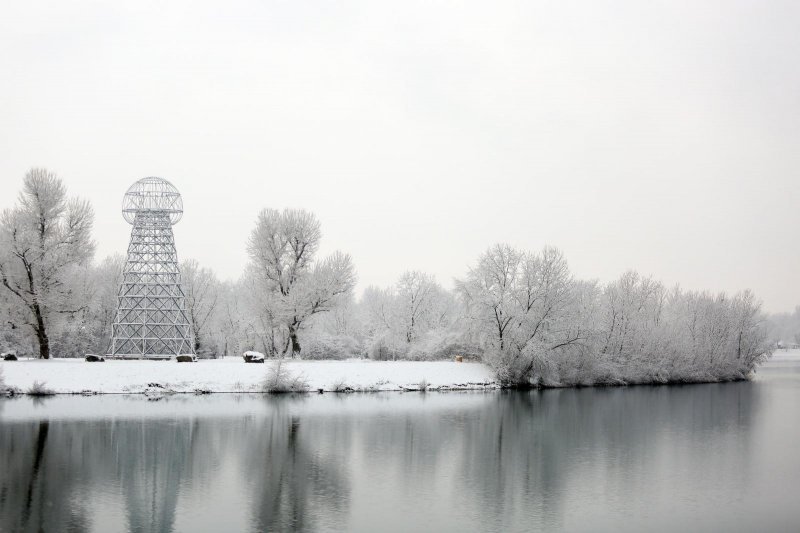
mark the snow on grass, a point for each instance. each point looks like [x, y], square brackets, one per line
[232, 374]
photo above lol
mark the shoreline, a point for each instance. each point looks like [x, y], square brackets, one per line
[232, 375]
[75, 377]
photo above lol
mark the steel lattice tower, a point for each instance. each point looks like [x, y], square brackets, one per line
[151, 320]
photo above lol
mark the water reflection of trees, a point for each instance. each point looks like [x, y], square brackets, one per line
[524, 453]
[519, 457]
[53, 474]
[294, 471]
[32, 486]
[506, 460]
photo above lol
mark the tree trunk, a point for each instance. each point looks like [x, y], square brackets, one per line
[41, 333]
[294, 341]
[294, 326]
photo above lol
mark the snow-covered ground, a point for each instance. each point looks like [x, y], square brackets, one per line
[234, 375]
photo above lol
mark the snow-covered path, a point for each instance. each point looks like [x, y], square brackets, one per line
[234, 375]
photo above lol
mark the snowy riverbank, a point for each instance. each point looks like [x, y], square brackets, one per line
[232, 374]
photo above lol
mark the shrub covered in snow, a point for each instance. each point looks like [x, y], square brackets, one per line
[387, 347]
[340, 385]
[280, 379]
[443, 346]
[5, 389]
[335, 347]
[39, 389]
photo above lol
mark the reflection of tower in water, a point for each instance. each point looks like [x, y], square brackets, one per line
[151, 319]
[153, 458]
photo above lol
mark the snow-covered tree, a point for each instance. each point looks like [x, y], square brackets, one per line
[633, 309]
[376, 308]
[107, 278]
[227, 331]
[418, 307]
[13, 334]
[282, 249]
[523, 309]
[201, 288]
[414, 318]
[43, 241]
[377, 313]
[337, 334]
[490, 293]
[95, 288]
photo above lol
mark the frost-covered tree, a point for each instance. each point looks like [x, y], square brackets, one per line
[489, 293]
[107, 278]
[88, 330]
[44, 240]
[633, 310]
[376, 308]
[14, 335]
[522, 308]
[337, 334]
[297, 285]
[418, 296]
[414, 319]
[228, 330]
[377, 312]
[201, 288]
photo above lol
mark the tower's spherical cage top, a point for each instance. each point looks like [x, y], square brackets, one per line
[152, 194]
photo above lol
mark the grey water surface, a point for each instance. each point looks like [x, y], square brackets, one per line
[718, 457]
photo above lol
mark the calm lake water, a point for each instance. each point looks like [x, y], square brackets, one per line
[722, 457]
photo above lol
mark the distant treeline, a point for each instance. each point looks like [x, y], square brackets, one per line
[783, 329]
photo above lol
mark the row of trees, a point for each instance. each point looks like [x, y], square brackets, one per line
[537, 324]
[784, 328]
[522, 312]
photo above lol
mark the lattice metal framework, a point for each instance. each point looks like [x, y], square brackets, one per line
[151, 320]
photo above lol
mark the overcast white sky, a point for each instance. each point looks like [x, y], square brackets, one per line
[659, 136]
